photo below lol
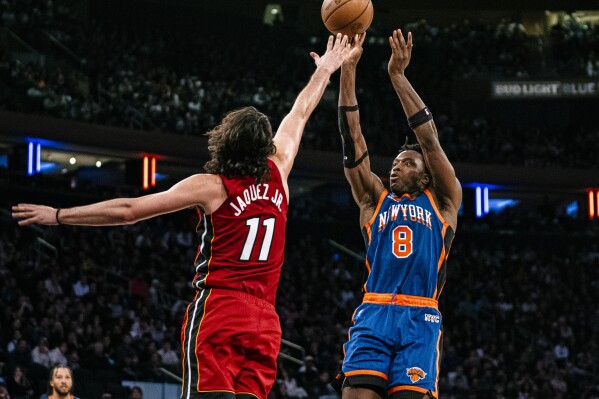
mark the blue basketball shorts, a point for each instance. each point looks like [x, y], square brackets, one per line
[394, 344]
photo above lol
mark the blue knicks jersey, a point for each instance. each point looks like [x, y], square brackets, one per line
[408, 242]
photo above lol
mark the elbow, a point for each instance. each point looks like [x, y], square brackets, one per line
[127, 217]
[126, 214]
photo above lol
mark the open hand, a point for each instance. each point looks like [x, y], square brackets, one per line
[338, 50]
[356, 50]
[401, 52]
[29, 214]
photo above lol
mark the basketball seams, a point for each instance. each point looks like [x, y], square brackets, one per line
[334, 9]
[356, 18]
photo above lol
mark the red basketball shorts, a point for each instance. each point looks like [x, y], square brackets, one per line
[230, 343]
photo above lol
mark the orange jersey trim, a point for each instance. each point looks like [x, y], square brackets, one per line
[376, 211]
[368, 268]
[442, 257]
[410, 388]
[400, 299]
[396, 198]
[367, 372]
[444, 254]
[353, 321]
[434, 204]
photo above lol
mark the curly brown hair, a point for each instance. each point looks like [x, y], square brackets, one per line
[241, 144]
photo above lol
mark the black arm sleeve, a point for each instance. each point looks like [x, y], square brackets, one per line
[349, 150]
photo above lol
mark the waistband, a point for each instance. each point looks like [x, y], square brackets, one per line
[400, 299]
[244, 296]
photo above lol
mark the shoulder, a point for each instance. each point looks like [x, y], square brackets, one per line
[279, 164]
[447, 205]
[370, 208]
[203, 182]
[275, 168]
[205, 190]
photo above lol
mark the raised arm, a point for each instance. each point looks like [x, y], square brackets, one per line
[366, 186]
[445, 186]
[204, 190]
[290, 131]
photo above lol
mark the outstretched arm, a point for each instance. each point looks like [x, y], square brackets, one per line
[202, 190]
[445, 186]
[290, 131]
[366, 186]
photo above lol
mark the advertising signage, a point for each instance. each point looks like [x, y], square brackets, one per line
[546, 89]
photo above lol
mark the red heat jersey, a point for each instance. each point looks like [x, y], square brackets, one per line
[242, 242]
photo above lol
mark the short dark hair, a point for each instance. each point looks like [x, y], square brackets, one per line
[410, 147]
[241, 144]
[53, 370]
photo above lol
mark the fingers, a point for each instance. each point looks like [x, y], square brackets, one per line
[315, 56]
[358, 39]
[341, 42]
[26, 212]
[330, 42]
[398, 43]
[344, 41]
[402, 42]
[392, 44]
[25, 216]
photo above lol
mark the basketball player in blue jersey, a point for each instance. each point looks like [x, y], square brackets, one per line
[395, 341]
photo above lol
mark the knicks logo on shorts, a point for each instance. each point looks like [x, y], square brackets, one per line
[416, 374]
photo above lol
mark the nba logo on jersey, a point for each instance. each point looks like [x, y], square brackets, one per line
[416, 374]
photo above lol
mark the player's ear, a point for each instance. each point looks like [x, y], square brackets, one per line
[426, 179]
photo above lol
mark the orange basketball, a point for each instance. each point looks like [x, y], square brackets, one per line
[348, 17]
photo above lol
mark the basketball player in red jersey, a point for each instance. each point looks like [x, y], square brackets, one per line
[231, 333]
[60, 383]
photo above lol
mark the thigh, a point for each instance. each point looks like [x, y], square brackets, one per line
[261, 349]
[416, 364]
[369, 349]
[212, 340]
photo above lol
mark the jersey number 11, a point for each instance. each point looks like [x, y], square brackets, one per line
[248, 247]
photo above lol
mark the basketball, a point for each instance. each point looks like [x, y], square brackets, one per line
[348, 17]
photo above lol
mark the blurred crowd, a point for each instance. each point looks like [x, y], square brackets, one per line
[519, 321]
[183, 80]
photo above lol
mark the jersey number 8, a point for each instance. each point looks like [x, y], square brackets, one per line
[402, 242]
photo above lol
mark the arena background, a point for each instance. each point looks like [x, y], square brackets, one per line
[111, 98]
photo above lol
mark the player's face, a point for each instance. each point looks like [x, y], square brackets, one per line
[406, 172]
[61, 382]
